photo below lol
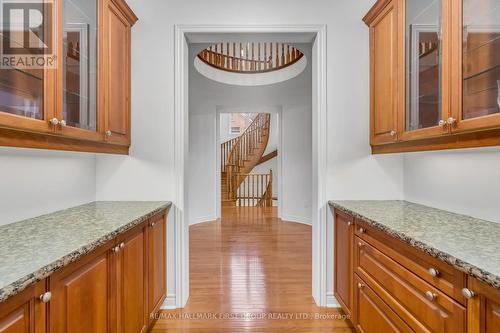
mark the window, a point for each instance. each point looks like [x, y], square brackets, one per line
[235, 130]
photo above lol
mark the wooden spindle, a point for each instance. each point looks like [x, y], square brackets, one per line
[282, 54]
[252, 66]
[277, 64]
[259, 67]
[288, 54]
[228, 63]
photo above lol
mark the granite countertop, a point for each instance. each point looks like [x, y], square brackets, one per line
[32, 249]
[469, 244]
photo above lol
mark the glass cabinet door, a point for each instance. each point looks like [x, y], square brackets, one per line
[78, 102]
[25, 91]
[425, 113]
[480, 67]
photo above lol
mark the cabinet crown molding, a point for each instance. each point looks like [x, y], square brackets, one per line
[374, 11]
[126, 10]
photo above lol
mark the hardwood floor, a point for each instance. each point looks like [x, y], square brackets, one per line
[255, 268]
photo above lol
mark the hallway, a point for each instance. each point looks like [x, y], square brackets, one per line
[256, 269]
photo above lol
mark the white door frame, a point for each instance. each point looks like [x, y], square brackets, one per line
[319, 114]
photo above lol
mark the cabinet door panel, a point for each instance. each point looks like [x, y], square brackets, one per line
[425, 85]
[343, 268]
[406, 293]
[27, 91]
[118, 80]
[484, 308]
[383, 49]
[24, 313]
[157, 260]
[373, 315]
[477, 35]
[81, 296]
[132, 296]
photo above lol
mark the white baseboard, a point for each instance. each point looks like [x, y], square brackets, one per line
[331, 301]
[202, 219]
[296, 219]
[169, 303]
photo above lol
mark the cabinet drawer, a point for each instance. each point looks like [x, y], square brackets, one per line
[437, 273]
[372, 315]
[421, 305]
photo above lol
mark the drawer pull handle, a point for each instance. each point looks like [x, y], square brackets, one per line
[430, 296]
[362, 230]
[46, 297]
[360, 285]
[468, 293]
[433, 272]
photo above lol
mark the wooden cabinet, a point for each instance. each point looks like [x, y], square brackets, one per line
[25, 313]
[483, 307]
[80, 100]
[117, 116]
[343, 253]
[436, 65]
[157, 260]
[131, 281]
[389, 286]
[383, 73]
[111, 290]
[82, 295]
[372, 315]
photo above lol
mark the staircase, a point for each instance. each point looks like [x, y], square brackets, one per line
[238, 157]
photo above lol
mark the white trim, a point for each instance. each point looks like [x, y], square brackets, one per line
[182, 33]
[331, 301]
[297, 219]
[169, 303]
[202, 219]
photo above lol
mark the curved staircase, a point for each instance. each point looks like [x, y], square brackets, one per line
[239, 156]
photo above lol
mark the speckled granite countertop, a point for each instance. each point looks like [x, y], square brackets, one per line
[32, 249]
[469, 244]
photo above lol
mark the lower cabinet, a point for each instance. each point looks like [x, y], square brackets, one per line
[372, 315]
[82, 295]
[25, 313]
[397, 288]
[343, 287]
[157, 260]
[111, 290]
[130, 281]
[483, 308]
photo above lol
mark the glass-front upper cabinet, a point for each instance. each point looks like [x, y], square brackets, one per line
[78, 79]
[478, 105]
[27, 62]
[425, 84]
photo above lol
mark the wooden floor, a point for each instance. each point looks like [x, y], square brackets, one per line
[254, 269]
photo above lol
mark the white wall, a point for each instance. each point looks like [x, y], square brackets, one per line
[36, 182]
[463, 181]
[291, 98]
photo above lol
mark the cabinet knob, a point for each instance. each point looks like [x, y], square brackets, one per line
[153, 224]
[116, 249]
[360, 244]
[433, 272]
[46, 297]
[393, 133]
[54, 121]
[62, 122]
[442, 123]
[468, 293]
[430, 296]
[451, 121]
[122, 245]
[362, 230]
[108, 133]
[349, 223]
[360, 285]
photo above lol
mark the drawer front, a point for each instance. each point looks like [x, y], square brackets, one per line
[422, 306]
[437, 273]
[372, 315]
